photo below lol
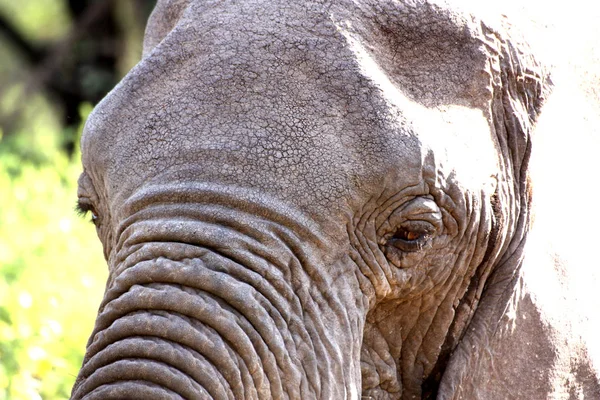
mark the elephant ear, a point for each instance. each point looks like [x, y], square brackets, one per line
[511, 348]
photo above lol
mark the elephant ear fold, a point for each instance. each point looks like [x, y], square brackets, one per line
[521, 85]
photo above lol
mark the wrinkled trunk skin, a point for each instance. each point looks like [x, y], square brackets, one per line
[185, 317]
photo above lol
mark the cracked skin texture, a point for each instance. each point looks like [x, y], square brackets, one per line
[323, 199]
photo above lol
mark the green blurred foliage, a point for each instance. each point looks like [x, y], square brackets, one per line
[52, 272]
[38, 20]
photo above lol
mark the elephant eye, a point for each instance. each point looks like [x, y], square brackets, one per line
[413, 236]
[407, 235]
[84, 206]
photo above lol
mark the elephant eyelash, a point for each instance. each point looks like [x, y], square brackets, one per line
[83, 208]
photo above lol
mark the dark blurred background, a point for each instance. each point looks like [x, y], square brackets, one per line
[58, 58]
[68, 52]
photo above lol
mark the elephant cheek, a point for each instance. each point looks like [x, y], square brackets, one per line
[181, 330]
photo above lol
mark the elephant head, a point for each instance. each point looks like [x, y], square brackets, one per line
[316, 199]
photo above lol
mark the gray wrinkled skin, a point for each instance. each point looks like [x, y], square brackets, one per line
[322, 200]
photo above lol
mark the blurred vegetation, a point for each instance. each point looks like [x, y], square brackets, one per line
[57, 59]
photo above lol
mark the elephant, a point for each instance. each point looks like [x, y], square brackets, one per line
[326, 199]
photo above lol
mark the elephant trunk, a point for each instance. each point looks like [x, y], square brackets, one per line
[192, 318]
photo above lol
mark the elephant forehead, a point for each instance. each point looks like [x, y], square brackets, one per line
[280, 101]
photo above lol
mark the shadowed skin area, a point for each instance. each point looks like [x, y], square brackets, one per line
[320, 200]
